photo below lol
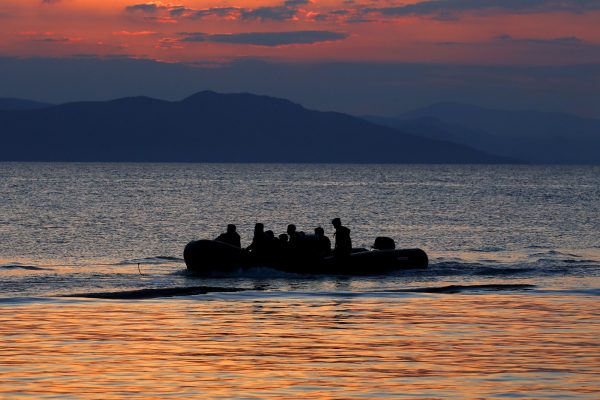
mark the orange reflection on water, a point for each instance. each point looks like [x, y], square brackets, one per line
[439, 346]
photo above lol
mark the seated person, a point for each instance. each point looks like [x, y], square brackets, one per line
[323, 245]
[284, 244]
[272, 243]
[273, 247]
[259, 241]
[283, 238]
[293, 235]
[230, 237]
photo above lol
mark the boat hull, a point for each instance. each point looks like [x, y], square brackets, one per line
[209, 256]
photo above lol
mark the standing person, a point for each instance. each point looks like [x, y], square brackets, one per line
[343, 243]
[230, 237]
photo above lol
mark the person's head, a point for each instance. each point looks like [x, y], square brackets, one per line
[319, 231]
[336, 222]
[291, 229]
[270, 234]
[259, 228]
[231, 228]
[283, 237]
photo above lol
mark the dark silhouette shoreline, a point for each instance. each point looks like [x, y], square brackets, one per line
[212, 127]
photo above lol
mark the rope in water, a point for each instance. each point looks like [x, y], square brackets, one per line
[49, 266]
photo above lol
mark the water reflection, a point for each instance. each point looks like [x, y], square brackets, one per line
[432, 346]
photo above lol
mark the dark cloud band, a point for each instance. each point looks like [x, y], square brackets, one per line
[283, 12]
[447, 7]
[266, 38]
[146, 7]
[562, 41]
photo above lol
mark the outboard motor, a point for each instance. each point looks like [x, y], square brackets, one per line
[384, 243]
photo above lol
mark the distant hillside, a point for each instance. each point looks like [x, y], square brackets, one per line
[211, 127]
[20, 104]
[534, 136]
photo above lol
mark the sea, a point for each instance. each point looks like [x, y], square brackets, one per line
[96, 301]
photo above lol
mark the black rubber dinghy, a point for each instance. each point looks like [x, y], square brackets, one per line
[209, 256]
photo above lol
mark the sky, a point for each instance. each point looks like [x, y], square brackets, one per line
[506, 40]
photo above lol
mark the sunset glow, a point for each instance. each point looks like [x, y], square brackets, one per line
[487, 32]
[277, 348]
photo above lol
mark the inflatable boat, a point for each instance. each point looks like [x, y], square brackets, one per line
[210, 257]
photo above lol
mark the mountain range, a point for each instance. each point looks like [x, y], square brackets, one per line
[532, 136]
[212, 127]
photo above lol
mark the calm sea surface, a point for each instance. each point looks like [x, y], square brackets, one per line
[509, 308]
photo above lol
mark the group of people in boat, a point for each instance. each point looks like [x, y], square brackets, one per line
[294, 243]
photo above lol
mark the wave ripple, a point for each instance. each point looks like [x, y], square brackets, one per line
[451, 289]
[21, 266]
[154, 293]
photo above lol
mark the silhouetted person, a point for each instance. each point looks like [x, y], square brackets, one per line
[271, 242]
[274, 250]
[230, 237]
[384, 243]
[323, 245]
[343, 243]
[258, 245]
[294, 236]
[284, 244]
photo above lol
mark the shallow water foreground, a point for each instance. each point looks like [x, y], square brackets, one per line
[304, 345]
